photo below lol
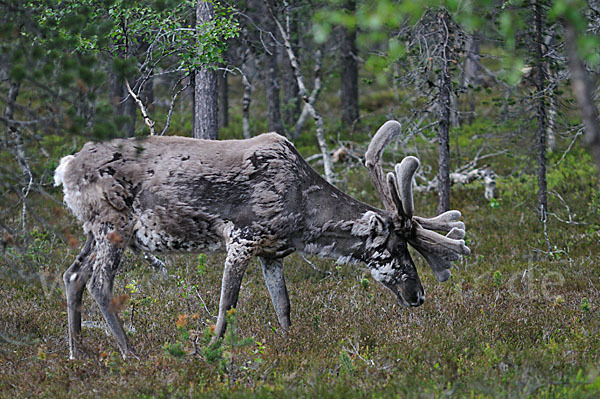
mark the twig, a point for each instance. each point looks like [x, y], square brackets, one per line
[324, 272]
[570, 221]
[579, 133]
[479, 158]
[544, 218]
[149, 122]
[157, 264]
[204, 304]
[355, 350]
[11, 341]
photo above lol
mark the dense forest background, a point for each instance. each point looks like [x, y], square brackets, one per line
[497, 99]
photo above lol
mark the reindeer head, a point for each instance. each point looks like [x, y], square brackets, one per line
[395, 269]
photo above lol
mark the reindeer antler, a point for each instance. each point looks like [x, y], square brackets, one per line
[384, 136]
[397, 196]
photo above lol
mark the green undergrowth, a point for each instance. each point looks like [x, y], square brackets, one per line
[520, 317]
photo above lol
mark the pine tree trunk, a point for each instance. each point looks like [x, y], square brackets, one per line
[223, 99]
[205, 87]
[349, 77]
[445, 87]
[272, 89]
[540, 83]
[192, 93]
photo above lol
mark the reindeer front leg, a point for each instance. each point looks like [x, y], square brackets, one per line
[273, 274]
[238, 257]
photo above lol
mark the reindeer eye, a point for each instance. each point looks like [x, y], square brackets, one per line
[398, 248]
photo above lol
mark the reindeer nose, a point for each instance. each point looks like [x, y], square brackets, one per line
[420, 299]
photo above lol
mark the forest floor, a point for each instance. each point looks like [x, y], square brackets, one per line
[520, 317]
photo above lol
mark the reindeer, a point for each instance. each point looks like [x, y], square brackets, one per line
[254, 197]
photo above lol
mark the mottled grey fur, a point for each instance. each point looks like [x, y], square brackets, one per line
[255, 197]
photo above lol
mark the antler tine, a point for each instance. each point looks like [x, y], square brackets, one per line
[443, 246]
[405, 171]
[445, 221]
[456, 233]
[384, 136]
[440, 267]
[391, 183]
[439, 250]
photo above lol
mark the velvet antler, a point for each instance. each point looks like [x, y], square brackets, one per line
[384, 136]
[397, 196]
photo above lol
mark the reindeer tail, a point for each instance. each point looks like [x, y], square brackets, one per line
[59, 173]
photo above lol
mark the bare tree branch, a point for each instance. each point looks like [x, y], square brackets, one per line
[149, 122]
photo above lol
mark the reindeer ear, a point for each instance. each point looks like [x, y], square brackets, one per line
[377, 224]
[378, 230]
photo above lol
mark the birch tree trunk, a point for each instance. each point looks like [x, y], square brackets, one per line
[14, 138]
[327, 163]
[130, 110]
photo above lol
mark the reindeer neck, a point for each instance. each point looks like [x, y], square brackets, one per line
[336, 226]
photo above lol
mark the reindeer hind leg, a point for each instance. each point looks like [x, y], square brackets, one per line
[273, 274]
[100, 287]
[75, 278]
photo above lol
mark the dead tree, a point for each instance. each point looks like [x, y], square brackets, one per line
[443, 104]
[540, 85]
